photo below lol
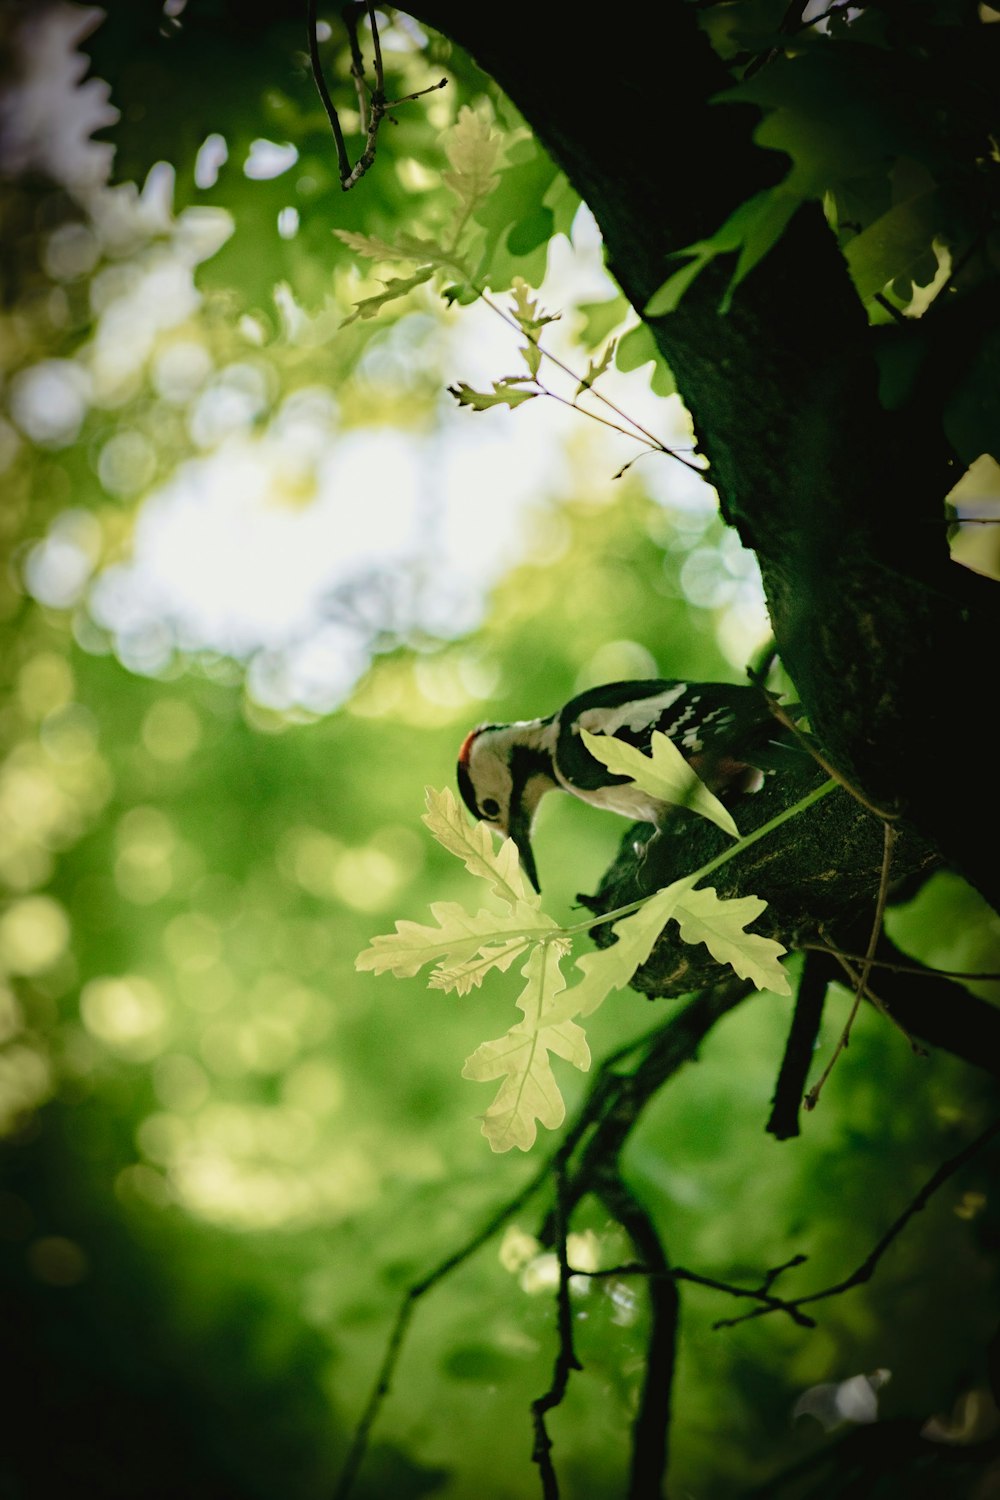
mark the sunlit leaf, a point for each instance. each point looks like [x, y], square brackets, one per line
[474, 844]
[473, 148]
[403, 247]
[502, 394]
[637, 348]
[469, 975]
[531, 203]
[597, 367]
[526, 309]
[749, 232]
[704, 917]
[895, 245]
[612, 968]
[664, 773]
[398, 286]
[456, 939]
[529, 1094]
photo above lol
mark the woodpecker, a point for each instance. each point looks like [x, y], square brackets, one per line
[727, 734]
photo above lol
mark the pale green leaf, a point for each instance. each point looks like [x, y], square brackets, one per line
[404, 247]
[612, 968]
[457, 938]
[667, 296]
[464, 977]
[474, 844]
[370, 307]
[529, 1094]
[473, 148]
[597, 367]
[705, 917]
[664, 773]
[501, 395]
[526, 310]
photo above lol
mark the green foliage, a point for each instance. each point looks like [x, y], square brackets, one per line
[877, 131]
[226, 1154]
[466, 948]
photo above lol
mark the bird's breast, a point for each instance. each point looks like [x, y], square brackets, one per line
[626, 799]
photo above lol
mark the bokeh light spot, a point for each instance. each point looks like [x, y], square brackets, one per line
[171, 730]
[146, 843]
[48, 401]
[192, 942]
[34, 933]
[127, 464]
[127, 1013]
[44, 684]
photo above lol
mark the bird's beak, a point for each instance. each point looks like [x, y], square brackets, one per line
[520, 832]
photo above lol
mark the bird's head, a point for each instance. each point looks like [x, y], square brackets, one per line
[504, 771]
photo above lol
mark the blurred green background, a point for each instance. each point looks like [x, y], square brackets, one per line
[262, 575]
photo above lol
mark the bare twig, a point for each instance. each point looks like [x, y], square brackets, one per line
[565, 1360]
[372, 109]
[889, 838]
[634, 430]
[351, 14]
[625, 1097]
[761, 1294]
[394, 1344]
[784, 718]
[866, 1270]
[343, 160]
[879, 1004]
[918, 970]
[792, 1306]
[603, 1094]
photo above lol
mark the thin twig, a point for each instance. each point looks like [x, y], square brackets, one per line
[565, 1360]
[888, 840]
[878, 1002]
[350, 16]
[343, 160]
[394, 1344]
[918, 970]
[637, 427]
[789, 723]
[761, 1294]
[891, 308]
[372, 111]
[604, 1089]
[866, 1270]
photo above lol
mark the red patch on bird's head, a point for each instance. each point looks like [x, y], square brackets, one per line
[466, 750]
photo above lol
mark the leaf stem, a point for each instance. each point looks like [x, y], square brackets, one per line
[802, 805]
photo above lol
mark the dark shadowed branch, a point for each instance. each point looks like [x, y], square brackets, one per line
[790, 1088]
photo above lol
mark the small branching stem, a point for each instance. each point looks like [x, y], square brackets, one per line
[804, 740]
[713, 864]
[635, 429]
[565, 1360]
[888, 841]
[373, 109]
[919, 970]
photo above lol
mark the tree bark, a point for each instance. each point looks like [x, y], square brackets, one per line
[890, 645]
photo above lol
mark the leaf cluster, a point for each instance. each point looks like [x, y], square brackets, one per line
[464, 947]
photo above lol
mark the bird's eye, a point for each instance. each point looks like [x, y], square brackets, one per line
[490, 808]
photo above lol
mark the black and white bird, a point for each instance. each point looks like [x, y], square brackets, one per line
[728, 734]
